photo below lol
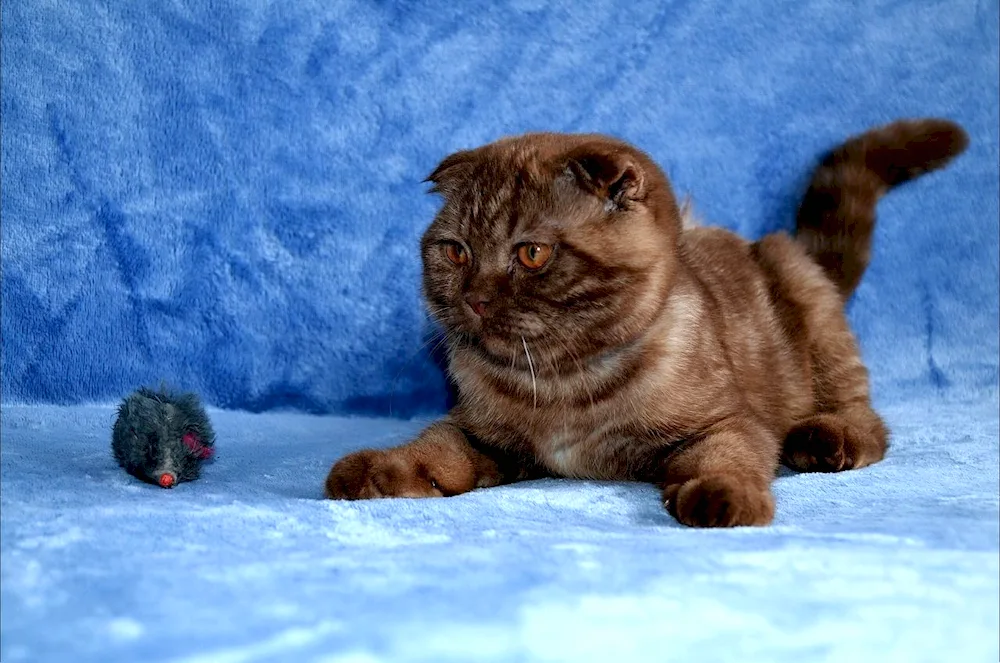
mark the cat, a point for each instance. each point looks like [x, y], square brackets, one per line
[592, 334]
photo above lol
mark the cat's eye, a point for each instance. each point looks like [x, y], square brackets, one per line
[534, 256]
[456, 253]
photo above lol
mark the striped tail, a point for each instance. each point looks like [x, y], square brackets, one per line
[837, 215]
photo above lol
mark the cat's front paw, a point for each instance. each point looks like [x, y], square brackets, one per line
[719, 500]
[373, 473]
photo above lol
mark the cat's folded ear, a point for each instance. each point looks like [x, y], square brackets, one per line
[608, 171]
[452, 173]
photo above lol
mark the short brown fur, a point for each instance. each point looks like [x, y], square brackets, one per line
[689, 358]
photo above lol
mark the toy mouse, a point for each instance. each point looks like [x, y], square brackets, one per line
[162, 437]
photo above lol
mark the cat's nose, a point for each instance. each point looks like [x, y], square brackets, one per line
[477, 303]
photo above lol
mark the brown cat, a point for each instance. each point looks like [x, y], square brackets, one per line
[591, 336]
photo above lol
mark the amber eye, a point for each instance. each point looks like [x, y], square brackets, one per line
[534, 256]
[456, 253]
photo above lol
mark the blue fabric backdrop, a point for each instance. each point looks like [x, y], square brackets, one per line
[227, 195]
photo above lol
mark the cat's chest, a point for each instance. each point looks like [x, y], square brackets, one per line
[583, 430]
[564, 451]
[572, 444]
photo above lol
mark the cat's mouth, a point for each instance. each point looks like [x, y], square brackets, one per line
[504, 344]
[506, 340]
[511, 354]
[541, 356]
[498, 330]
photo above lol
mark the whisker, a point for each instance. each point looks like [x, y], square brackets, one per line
[434, 313]
[531, 367]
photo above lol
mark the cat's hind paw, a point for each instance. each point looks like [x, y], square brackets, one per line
[832, 443]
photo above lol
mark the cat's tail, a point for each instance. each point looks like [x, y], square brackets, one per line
[837, 215]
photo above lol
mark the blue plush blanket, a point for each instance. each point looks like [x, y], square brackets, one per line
[228, 196]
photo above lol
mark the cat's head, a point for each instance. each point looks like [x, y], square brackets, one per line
[565, 243]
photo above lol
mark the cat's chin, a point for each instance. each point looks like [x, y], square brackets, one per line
[501, 348]
[503, 351]
[529, 354]
[511, 351]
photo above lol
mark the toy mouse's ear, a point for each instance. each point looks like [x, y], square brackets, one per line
[453, 172]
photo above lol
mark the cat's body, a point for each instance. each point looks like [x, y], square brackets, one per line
[592, 336]
[715, 348]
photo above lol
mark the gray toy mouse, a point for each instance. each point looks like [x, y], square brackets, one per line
[162, 437]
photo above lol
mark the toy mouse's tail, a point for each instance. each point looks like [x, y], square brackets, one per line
[837, 215]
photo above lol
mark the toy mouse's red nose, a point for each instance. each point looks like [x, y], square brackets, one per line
[167, 480]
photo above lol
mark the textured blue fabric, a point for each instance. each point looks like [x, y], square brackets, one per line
[896, 562]
[227, 195]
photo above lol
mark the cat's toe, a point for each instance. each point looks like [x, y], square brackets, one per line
[356, 477]
[372, 474]
[719, 501]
